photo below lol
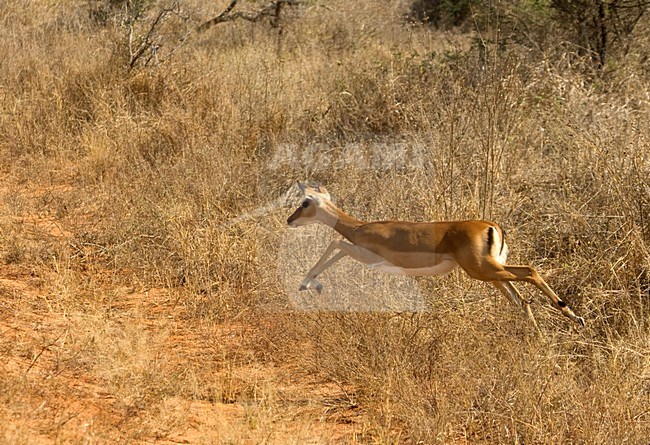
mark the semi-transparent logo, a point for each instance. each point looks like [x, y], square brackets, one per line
[347, 285]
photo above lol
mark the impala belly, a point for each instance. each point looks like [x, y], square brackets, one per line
[440, 268]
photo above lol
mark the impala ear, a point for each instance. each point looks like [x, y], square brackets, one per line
[324, 191]
[302, 187]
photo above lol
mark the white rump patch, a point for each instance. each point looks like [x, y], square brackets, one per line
[501, 255]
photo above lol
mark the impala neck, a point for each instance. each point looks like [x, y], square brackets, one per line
[339, 220]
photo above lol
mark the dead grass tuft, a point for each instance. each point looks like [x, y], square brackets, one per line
[147, 284]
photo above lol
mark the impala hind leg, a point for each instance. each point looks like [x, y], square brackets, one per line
[530, 275]
[491, 270]
[511, 292]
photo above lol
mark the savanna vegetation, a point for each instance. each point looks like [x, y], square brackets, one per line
[148, 282]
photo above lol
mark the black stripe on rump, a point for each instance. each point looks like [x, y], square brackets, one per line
[490, 239]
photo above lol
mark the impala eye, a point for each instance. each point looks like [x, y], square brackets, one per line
[305, 204]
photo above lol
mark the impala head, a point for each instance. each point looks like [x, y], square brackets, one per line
[313, 207]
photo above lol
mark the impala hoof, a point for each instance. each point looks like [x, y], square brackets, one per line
[580, 320]
[311, 282]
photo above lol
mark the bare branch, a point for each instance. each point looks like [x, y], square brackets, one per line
[147, 41]
[271, 10]
[218, 19]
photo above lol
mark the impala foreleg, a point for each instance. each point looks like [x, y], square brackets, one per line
[320, 266]
[345, 249]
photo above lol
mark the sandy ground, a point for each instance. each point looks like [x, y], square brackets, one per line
[63, 378]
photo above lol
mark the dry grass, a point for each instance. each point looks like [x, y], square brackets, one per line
[144, 299]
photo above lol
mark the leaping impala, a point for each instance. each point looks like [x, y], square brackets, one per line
[420, 248]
